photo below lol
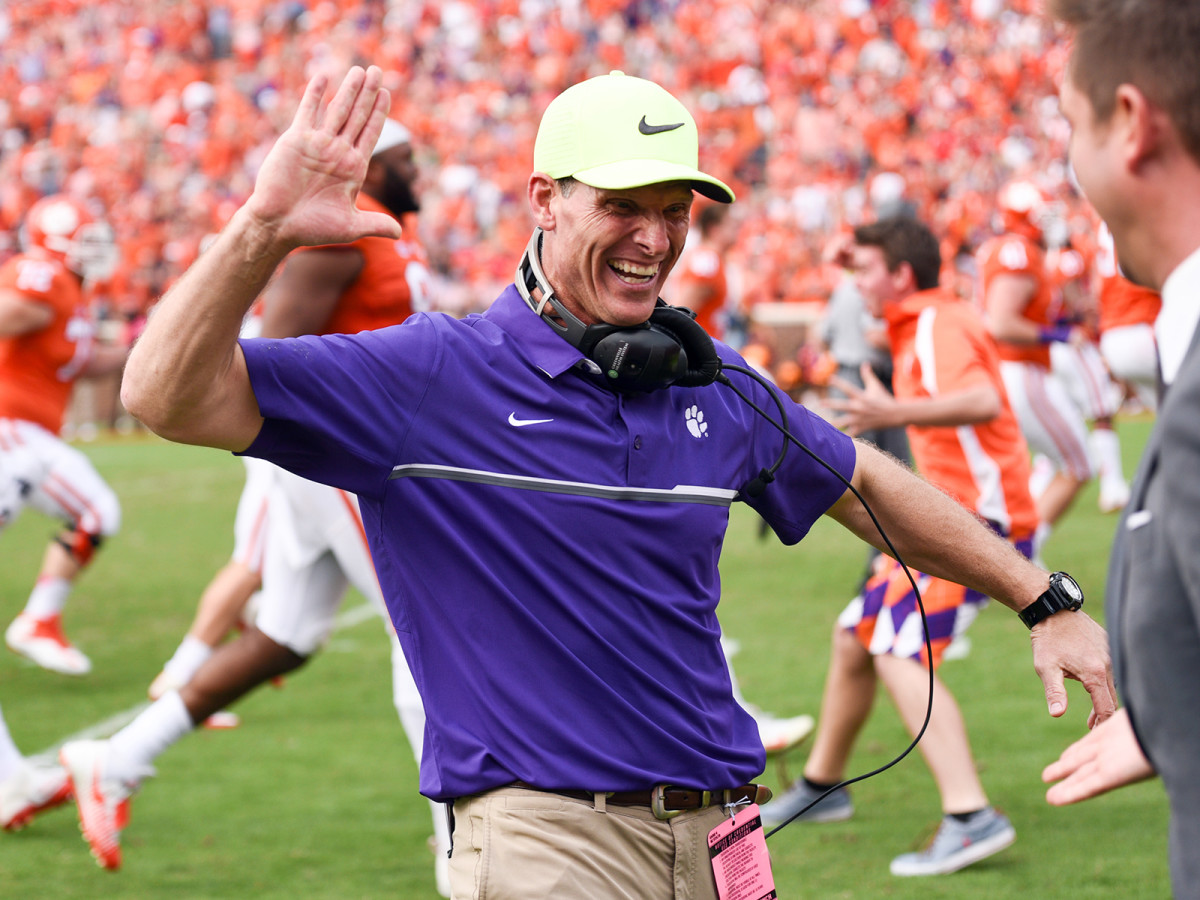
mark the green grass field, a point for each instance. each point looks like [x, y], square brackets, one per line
[314, 796]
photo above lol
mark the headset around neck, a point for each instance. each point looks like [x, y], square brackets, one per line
[670, 348]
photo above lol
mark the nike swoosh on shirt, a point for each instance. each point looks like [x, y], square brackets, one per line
[645, 128]
[520, 423]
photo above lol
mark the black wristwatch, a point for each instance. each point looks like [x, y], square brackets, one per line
[1063, 593]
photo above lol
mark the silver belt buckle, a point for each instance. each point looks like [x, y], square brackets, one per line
[658, 807]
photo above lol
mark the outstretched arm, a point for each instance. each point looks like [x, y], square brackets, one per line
[1105, 758]
[937, 536]
[186, 378]
[21, 314]
[873, 407]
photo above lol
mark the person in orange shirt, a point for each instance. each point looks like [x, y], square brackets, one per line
[702, 285]
[313, 546]
[327, 290]
[965, 439]
[1018, 304]
[1127, 315]
[1082, 370]
[46, 343]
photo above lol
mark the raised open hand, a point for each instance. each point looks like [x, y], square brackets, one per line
[306, 189]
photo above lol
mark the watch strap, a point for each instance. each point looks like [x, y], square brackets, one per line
[1054, 599]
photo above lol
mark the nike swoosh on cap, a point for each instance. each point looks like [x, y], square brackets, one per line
[519, 423]
[645, 128]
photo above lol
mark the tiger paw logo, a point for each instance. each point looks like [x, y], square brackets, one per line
[695, 422]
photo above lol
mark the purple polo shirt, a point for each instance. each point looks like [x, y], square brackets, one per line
[547, 548]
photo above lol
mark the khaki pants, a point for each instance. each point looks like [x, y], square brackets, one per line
[519, 844]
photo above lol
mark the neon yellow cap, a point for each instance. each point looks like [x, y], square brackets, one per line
[616, 131]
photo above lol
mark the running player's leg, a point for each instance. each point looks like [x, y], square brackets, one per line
[1082, 372]
[26, 789]
[68, 488]
[224, 601]
[1053, 427]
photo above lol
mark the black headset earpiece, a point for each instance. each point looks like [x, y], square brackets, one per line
[669, 349]
[702, 364]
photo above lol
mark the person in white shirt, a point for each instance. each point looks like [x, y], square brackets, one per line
[1130, 93]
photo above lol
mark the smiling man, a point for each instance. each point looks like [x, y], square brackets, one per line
[1131, 93]
[546, 487]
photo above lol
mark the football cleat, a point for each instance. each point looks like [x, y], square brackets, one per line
[43, 641]
[222, 720]
[29, 791]
[781, 735]
[103, 803]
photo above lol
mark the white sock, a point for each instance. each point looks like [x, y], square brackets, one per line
[48, 598]
[1106, 450]
[189, 657]
[135, 747]
[10, 756]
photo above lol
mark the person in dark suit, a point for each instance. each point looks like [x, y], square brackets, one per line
[1130, 93]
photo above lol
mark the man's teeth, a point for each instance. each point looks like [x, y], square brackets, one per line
[628, 268]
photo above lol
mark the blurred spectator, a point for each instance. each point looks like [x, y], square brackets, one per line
[162, 111]
[700, 282]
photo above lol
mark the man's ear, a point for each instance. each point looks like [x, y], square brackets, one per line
[1144, 128]
[542, 190]
[905, 279]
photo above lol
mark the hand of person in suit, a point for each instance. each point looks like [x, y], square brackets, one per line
[1107, 757]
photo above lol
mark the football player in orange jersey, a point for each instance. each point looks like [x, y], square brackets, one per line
[47, 342]
[312, 547]
[702, 283]
[1082, 370]
[1127, 315]
[1017, 300]
[321, 281]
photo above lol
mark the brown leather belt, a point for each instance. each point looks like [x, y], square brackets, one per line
[666, 801]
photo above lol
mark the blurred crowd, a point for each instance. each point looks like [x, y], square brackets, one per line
[159, 111]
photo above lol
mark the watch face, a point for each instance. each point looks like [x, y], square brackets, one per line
[1068, 584]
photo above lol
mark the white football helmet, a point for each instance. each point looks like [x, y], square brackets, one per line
[1023, 208]
[60, 226]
